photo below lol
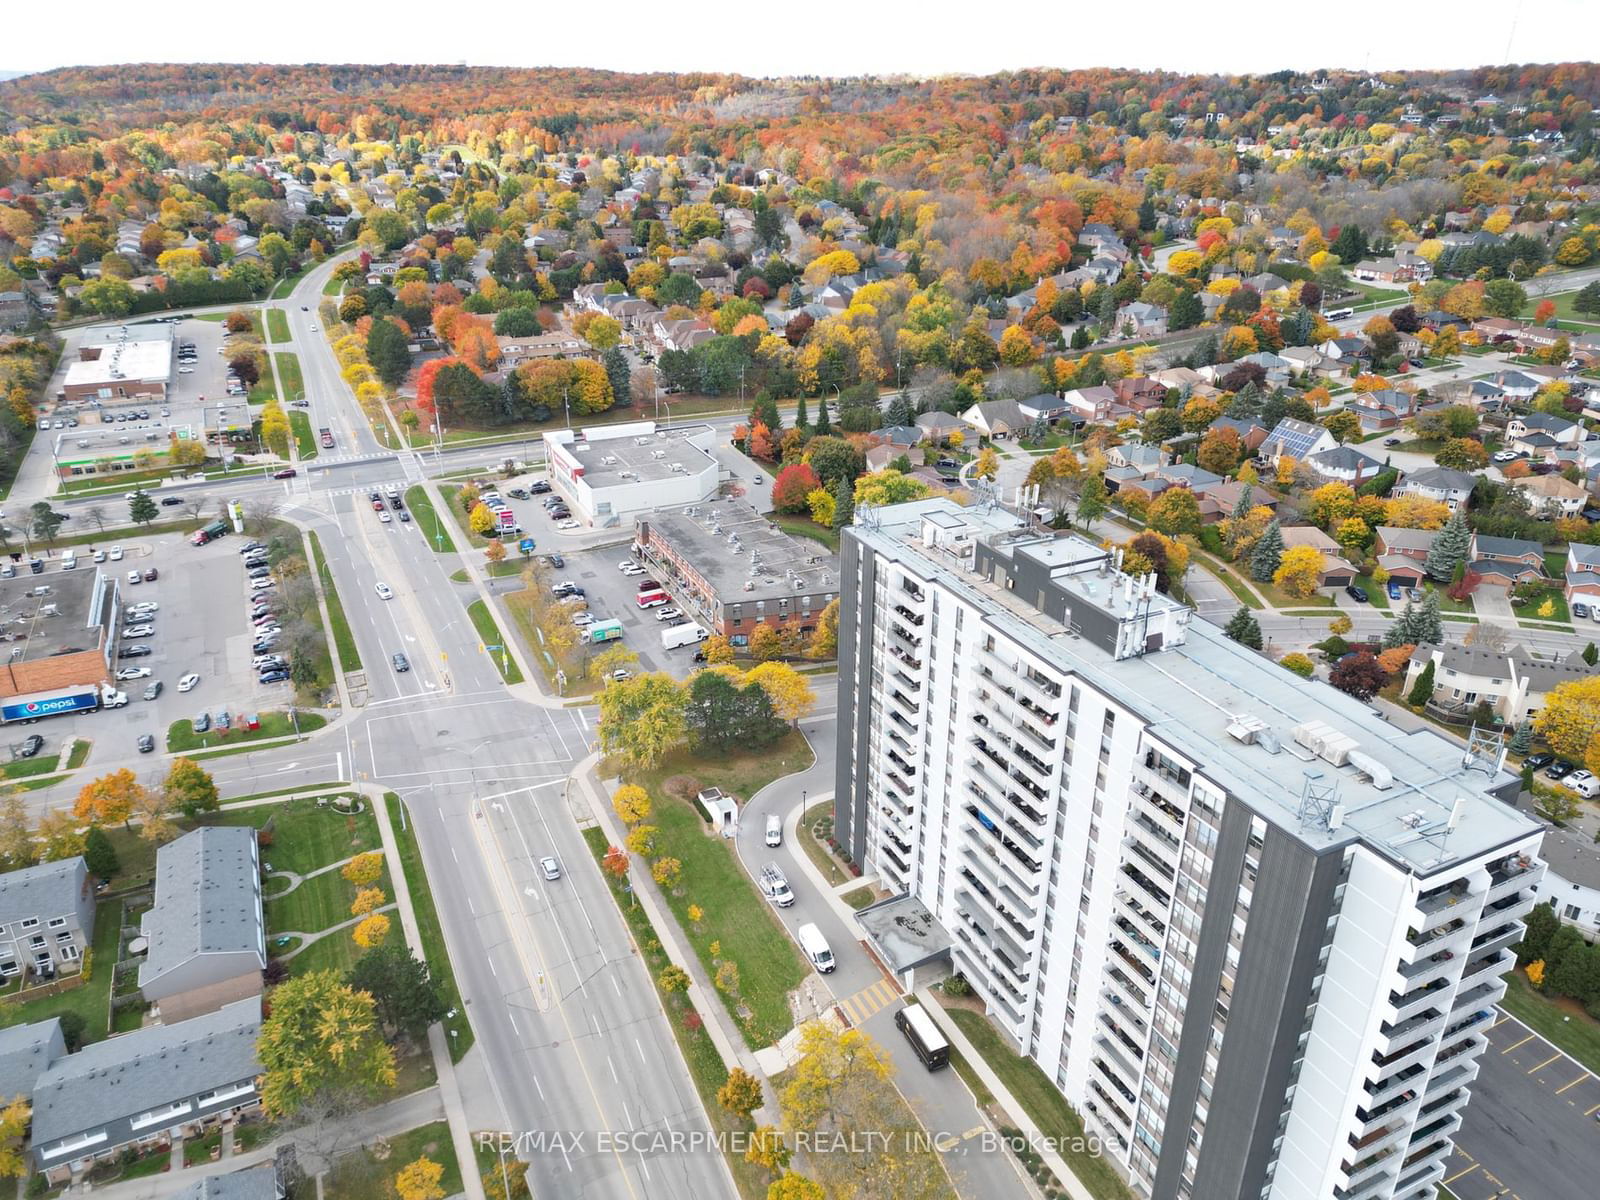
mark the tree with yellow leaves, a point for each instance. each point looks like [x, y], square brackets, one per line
[791, 696]
[368, 900]
[1016, 347]
[1570, 720]
[109, 799]
[1535, 971]
[371, 931]
[1299, 571]
[419, 1180]
[988, 464]
[631, 804]
[13, 1124]
[364, 869]
[1416, 512]
[321, 1041]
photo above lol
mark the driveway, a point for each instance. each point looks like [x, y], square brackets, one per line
[1494, 604]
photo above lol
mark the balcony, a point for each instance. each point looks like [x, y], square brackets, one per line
[1003, 868]
[1429, 1021]
[1151, 859]
[914, 618]
[1413, 1002]
[1483, 995]
[1122, 1073]
[1108, 1023]
[1157, 807]
[1423, 939]
[1134, 995]
[1511, 869]
[981, 897]
[909, 660]
[1503, 935]
[1369, 1170]
[1130, 932]
[1112, 1106]
[1158, 838]
[1422, 1184]
[1396, 1083]
[1445, 899]
[1127, 905]
[1435, 966]
[1485, 969]
[912, 641]
[1139, 968]
[1152, 894]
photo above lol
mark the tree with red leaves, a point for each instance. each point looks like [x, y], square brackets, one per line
[1359, 675]
[793, 485]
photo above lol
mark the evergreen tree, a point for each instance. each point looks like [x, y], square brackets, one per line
[822, 427]
[1147, 215]
[1564, 962]
[1422, 691]
[1404, 630]
[620, 375]
[98, 854]
[141, 509]
[1244, 629]
[1350, 245]
[844, 503]
[898, 411]
[1081, 338]
[765, 409]
[1268, 553]
[1430, 628]
[1448, 549]
[1540, 926]
[1591, 653]
[1242, 506]
[1186, 312]
[1522, 739]
[801, 419]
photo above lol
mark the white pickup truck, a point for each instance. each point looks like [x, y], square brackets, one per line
[774, 886]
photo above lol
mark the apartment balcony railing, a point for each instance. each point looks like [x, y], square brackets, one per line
[1151, 859]
[1418, 998]
[1159, 899]
[1134, 995]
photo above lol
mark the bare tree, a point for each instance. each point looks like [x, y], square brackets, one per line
[193, 506]
[96, 514]
[259, 510]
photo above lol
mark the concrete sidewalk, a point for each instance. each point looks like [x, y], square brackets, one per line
[448, 1088]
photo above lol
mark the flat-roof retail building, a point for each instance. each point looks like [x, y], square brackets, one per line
[55, 635]
[732, 569]
[131, 369]
[609, 472]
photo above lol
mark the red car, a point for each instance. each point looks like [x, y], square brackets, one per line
[377, 506]
[286, 473]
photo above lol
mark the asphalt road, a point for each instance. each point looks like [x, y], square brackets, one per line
[1529, 1132]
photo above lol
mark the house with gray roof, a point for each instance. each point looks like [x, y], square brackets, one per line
[1296, 439]
[207, 940]
[46, 918]
[997, 418]
[1344, 464]
[26, 1052]
[260, 1182]
[1571, 883]
[938, 425]
[140, 1088]
[1452, 488]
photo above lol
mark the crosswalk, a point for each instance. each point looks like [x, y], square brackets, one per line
[872, 999]
[332, 460]
[365, 489]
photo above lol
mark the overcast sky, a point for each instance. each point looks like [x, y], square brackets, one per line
[923, 37]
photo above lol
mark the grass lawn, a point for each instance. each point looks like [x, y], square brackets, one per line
[1564, 310]
[427, 519]
[1278, 598]
[21, 768]
[1446, 604]
[835, 868]
[80, 752]
[286, 285]
[198, 1150]
[91, 1000]
[181, 735]
[807, 528]
[305, 440]
[304, 837]
[277, 325]
[360, 1176]
[1044, 1104]
[337, 953]
[319, 903]
[344, 641]
[333, 287]
[136, 858]
[859, 898]
[118, 483]
[1555, 564]
[499, 570]
[458, 1030]
[294, 384]
[1563, 1023]
[769, 965]
[1377, 597]
[705, 1065]
[489, 633]
[449, 491]
[520, 605]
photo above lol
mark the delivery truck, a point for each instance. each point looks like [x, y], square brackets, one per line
[603, 631]
[682, 635]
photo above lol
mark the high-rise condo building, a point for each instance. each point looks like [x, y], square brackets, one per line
[1254, 931]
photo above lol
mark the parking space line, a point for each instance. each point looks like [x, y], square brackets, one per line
[1523, 1042]
[1573, 1084]
[1461, 1174]
[1592, 1111]
[1545, 1063]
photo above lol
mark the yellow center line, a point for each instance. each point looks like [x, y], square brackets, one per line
[1545, 1063]
[1573, 1084]
[1514, 1045]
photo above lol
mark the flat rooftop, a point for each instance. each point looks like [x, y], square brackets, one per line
[904, 931]
[1191, 692]
[27, 623]
[119, 362]
[642, 457]
[731, 544]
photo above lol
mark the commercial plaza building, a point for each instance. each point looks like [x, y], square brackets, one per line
[1252, 931]
[610, 472]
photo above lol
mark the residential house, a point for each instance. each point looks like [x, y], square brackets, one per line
[1551, 496]
[1348, 351]
[1251, 432]
[1512, 682]
[1336, 570]
[1571, 884]
[515, 351]
[1307, 359]
[46, 918]
[1438, 321]
[1139, 319]
[1344, 464]
[1139, 393]
[1453, 488]
[1267, 282]
[207, 941]
[1504, 561]
[1218, 502]
[141, 1088]
[1177, 377]
[1519, 384]
[1399, 269]
[26, 1051]
[1561, 430]
[1583, 573]
[1094, 405]
[1383, 408]
[1137, 455]
[1296, 439]
[1043, 405]
[936, 426]
[902, 437]
[1278, 368]
[263, 1181]
[997, 418]
[1196, 479]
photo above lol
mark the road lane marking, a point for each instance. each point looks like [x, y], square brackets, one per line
[1545, 1063]
[1461, 1174]
[613, 1067]
[492, 971]
[640, 1048]
[1573, 1084]
[1523, 1042]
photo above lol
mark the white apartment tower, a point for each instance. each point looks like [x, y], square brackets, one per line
[1253, 931]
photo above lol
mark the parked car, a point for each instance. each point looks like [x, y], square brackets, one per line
[1359, 595]
[1580, 609]
[1538, 762]
[135, 652]
[276, 675]
[1394, 590]
[151, 575]
[201, 723]
[147, 743]
[31, 746]
[152, 689]
[126, 673]
[1560, 769]
[222, 720]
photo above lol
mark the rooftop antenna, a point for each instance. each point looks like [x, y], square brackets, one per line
[1318, 800]
[1486, 751]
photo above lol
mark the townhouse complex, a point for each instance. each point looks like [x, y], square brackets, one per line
[1254, 932]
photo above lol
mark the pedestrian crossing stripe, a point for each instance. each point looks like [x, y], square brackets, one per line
[869, 1000]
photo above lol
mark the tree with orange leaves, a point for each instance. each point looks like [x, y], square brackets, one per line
[475, 344]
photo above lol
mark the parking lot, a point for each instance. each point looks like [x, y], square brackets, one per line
[1530, 1131]
[201, 626]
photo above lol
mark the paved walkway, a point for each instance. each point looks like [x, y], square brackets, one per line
[307, 939]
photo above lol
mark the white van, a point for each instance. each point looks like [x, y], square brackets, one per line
[816, 947]
[69, 560]
[774, 829]
[774, 886]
